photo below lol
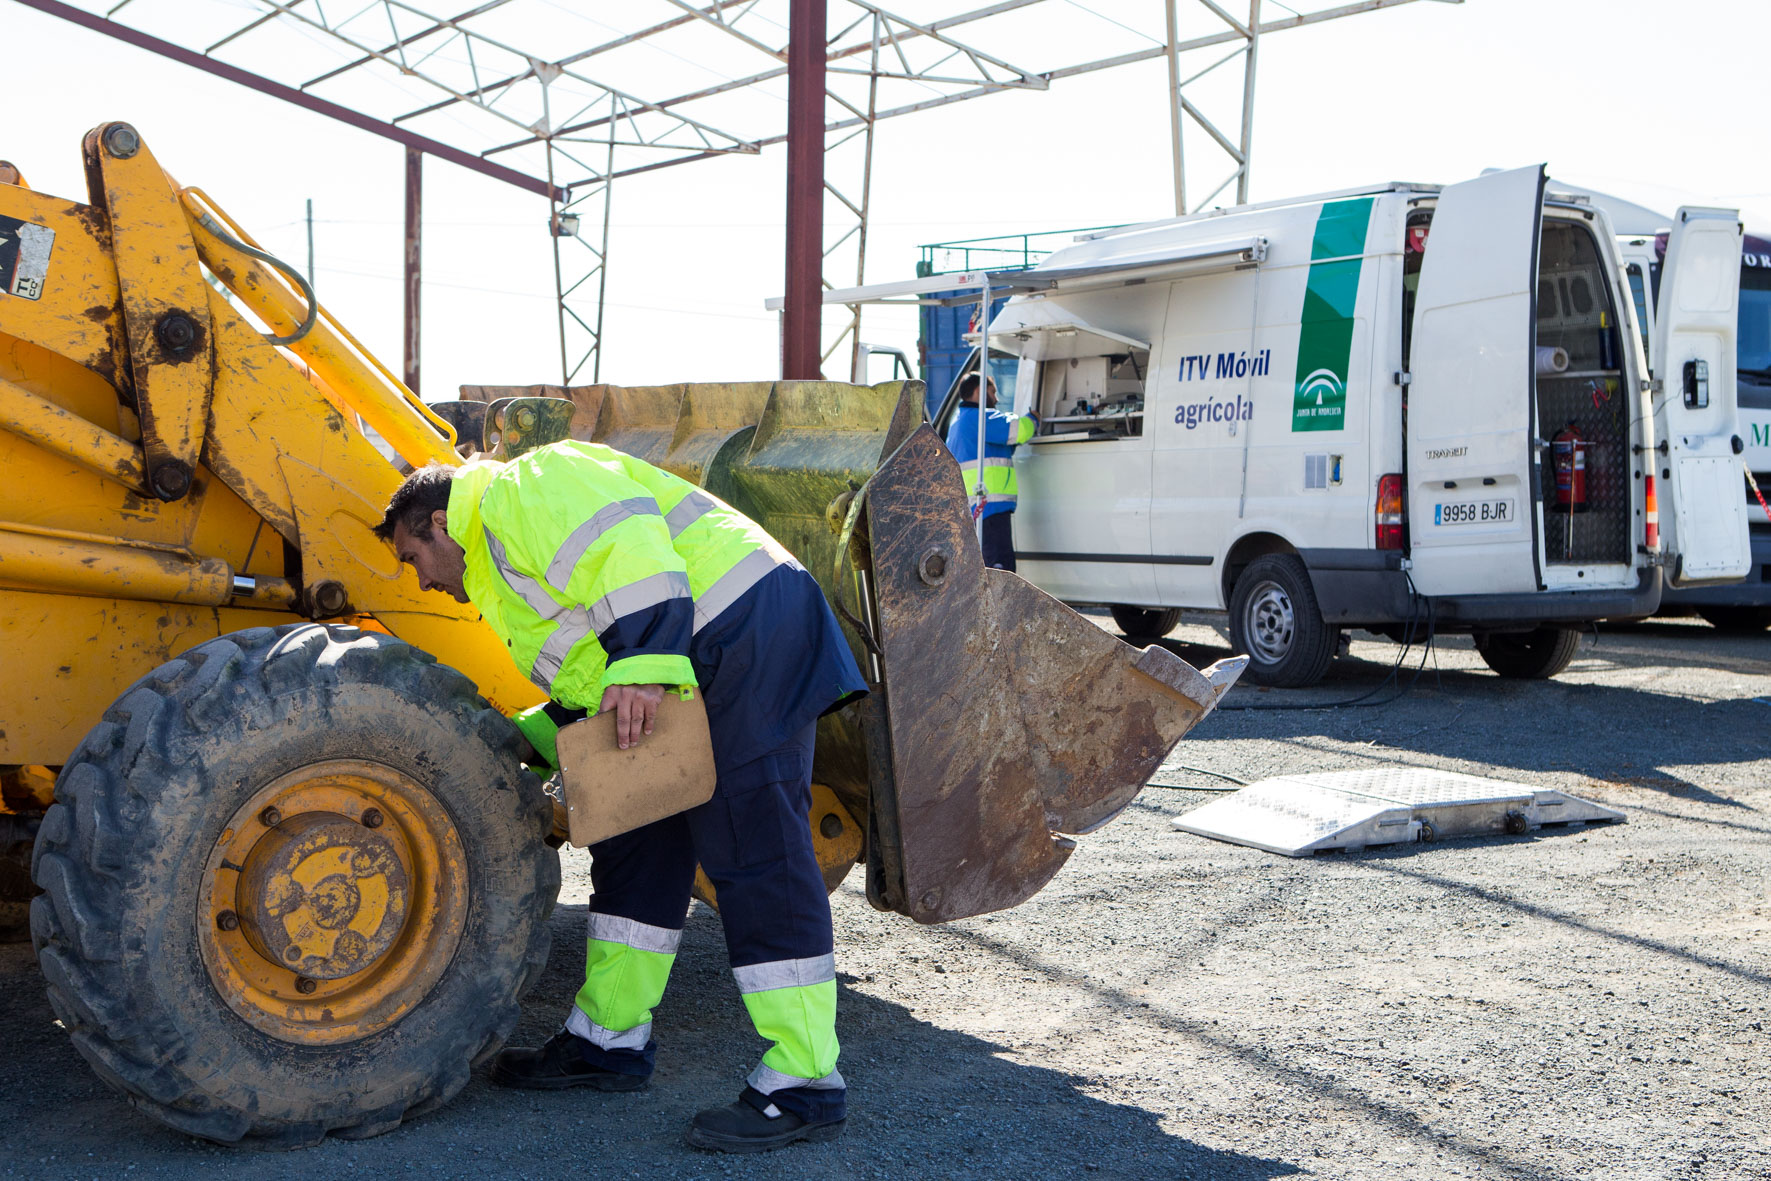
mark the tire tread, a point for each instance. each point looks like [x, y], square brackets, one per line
[122, 772]
[1314, 641]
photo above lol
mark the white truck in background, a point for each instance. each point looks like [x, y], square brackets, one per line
[1353, 410]
[1743, 606]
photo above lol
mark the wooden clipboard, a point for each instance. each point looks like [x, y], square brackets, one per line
[610, 791]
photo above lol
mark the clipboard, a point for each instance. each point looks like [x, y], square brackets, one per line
[610, 791]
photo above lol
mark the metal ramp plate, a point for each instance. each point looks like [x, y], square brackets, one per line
[1301, 814]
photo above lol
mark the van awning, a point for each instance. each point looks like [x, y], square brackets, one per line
[1157, 261]
[1153, 262]
[1042, 331]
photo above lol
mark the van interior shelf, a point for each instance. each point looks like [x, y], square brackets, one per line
[1099, 436]
[1094, 417]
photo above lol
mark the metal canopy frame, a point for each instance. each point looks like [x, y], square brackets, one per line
[477, 89]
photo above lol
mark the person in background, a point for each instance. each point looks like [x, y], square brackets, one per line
[1003, 432]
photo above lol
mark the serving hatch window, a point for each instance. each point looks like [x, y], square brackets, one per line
[1093, 397]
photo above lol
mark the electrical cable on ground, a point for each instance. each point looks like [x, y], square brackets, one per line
[1239, 783]
[1415, 601]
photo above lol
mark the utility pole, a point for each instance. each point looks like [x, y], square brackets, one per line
[1174, 109]
[1248, 65]
[310, 241]
[803, 309]
[414, 201]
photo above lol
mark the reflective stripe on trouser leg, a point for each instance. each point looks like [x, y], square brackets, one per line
[792, 1003]
[626, 965]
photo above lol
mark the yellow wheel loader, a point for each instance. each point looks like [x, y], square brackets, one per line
[294, 877]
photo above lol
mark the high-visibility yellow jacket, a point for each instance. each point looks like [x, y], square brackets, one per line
[1003, 432]
[597, 568]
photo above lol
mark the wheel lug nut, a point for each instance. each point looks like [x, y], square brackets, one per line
[304, 986]
[372, 818]
[292, 953]
[227, 920]
[270, 818]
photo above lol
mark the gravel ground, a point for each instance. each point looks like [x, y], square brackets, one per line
[1557, 1005]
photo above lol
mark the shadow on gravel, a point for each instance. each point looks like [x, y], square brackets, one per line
[1491, 1159]
[925, 1102]
[1481, 718]
[1383, 861]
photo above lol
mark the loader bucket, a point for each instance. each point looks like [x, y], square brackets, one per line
[1001, 722]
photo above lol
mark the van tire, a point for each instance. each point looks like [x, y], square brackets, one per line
[1145, 622]
[1274, 618]
[1529, 656]
[1737, 620]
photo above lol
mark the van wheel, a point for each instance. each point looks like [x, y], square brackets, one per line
[1145, 622]
[1274, 618]
[1743, 620]
[1529, 656]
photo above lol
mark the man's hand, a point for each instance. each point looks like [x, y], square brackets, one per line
[635, 706]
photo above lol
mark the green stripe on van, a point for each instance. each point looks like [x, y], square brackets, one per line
[1325, 337]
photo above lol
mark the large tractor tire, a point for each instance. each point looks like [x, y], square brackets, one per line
[295, 883]
[1529, 656]
[16, 836]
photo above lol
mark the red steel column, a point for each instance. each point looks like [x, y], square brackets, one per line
[801, 334]
[414, 199]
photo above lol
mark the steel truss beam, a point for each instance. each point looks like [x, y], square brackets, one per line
[1246, 37]
[570, 134]
[850, 123]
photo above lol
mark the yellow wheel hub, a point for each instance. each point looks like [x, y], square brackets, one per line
[323, 893]
[333, 901]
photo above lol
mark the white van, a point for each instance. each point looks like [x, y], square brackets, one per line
[1741, 606]
[1350, 410]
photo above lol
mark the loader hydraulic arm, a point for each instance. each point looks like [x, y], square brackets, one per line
[165, 448]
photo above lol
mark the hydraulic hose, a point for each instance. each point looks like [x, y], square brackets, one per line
[307, 291]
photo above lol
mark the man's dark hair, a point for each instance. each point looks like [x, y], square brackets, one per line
[968, 387]
[418, 496]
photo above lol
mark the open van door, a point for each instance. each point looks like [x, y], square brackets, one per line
[1706, 531]
[1471, 511]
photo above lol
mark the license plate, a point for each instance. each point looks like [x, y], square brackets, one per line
[1474, 512]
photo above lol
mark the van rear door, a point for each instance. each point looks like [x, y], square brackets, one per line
[1472, 514]
[1697, 404]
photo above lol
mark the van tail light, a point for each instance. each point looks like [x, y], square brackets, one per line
[1389, 511]
[1650, 515]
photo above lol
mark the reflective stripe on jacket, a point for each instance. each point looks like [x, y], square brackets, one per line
[1002, 433]
[597, 568]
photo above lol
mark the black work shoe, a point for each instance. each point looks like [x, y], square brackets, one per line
[747, 1126]
[557, 1065]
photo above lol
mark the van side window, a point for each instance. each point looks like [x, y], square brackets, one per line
[1639, 289]
[1003, 371]
[1086, 398]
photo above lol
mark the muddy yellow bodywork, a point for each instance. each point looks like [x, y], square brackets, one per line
[194, 447]
[171, 475]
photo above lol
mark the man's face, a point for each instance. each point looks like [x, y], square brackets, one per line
[440, 564]
[989, 395]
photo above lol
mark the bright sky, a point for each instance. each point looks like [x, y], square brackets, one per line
[1655, 102]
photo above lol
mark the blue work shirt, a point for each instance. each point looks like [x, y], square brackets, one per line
[1002, 433]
